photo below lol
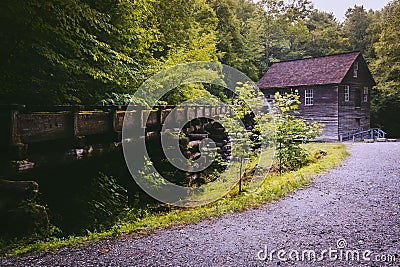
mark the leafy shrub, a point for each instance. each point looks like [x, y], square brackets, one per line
[291, 131]
[108, 200]
[122, 99]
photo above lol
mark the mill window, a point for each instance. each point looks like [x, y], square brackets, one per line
[309, 96]
[365, 94]
[347, 93]
[355, 69]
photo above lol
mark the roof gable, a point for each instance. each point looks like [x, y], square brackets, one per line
[311, 71]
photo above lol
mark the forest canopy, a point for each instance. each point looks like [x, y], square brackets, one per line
[84, 51]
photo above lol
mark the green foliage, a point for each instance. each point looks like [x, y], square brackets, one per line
[326, 35]
[291, 131]
[56, 52]
[187, 92]
[229, 36]
[296, 30]
[282, 124]
[139, 221]
[240, 35]
[149, 176]
[355, 26]
[386, 67]
[187, 31]
[122, 99]
[107, 200]
[245, 123]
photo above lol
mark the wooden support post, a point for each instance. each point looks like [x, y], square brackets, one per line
[144, 116]
[207, 112]
[115, 134]
[17, 150]
[187, 114]
[14, 137]
[77, 140]
[74, 120]
[200, 112]
[114, 118]
[159, 117]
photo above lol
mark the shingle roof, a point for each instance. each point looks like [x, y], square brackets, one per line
[311, 71]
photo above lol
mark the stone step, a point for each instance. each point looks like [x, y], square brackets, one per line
[369, 140]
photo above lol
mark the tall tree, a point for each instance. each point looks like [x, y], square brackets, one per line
[274, 10]
[326, 35]
[240, 35]
[60, 51]
[386, 101]
[286, 31]
[298, 9]
[230, 40]
[253, 33]
[373, 35]
[188, 31]
[356, 25]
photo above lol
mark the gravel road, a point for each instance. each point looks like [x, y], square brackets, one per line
[352, 210]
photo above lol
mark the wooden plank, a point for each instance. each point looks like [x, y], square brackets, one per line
[133, 119]
[90, 123]
[38, 127]
[180, 115]
[164, 115]
[207, 112]
[200, 112]
[191, 113]
[324, 110]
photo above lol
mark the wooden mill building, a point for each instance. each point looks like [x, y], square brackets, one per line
[334, 90]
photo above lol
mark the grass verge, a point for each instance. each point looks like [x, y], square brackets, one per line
[272, 188]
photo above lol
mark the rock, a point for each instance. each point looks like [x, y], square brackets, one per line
[21, 216]
[381, 139]
[368, 140]
[13, 192]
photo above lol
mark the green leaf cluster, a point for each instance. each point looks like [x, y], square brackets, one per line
[291, 131]
[386, 67]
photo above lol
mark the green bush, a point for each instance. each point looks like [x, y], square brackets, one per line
[107, 201]
[291, 131]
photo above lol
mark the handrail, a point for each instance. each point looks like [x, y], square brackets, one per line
[356, 134]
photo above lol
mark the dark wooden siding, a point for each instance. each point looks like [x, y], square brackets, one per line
[351, 114]
[324, 110]
[37, 127]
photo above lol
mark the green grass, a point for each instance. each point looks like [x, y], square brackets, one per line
[271, 188]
